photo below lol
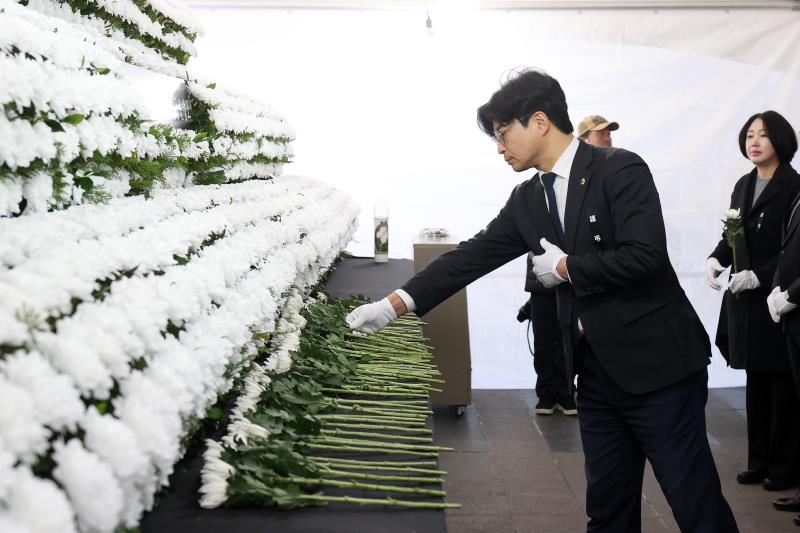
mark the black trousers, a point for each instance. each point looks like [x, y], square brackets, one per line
[773, 436]
[620, 431]
[793, 346]
[548, 358]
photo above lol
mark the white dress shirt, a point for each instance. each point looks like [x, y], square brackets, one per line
[561, 169]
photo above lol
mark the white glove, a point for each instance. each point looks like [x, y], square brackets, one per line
[545, 265]
[713, 270]
[779, 304]
[371, 317]
[743, 281]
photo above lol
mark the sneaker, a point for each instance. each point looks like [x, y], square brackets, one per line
[567, 406]
[546, 405]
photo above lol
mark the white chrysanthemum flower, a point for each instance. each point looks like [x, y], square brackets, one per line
[241, 429]
[7, 461]
[90, 483]
[214, 477]
[58, 403]
[10, 194]
[732, 214]
[114, 443]
[10, 525]
[39, 504]
[20, 429]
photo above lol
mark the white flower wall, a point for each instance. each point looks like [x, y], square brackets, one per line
[140, 264]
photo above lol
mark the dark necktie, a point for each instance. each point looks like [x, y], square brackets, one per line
[548, 180]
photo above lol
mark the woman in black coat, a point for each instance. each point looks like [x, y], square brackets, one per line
[746, 335]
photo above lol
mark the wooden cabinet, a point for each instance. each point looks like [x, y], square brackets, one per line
[447, 329]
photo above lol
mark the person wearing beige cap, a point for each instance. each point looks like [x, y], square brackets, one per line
[596, 130]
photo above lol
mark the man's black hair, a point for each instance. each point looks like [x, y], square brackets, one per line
[520, 96]
[780, 133]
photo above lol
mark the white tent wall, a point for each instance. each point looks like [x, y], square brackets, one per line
[385, 107]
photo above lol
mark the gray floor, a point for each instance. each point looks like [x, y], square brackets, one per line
[517, 472]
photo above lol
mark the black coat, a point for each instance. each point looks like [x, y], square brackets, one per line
[636, 317]
[787, 273]
[746, 335]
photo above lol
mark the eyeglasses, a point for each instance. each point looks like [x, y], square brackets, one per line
[499, 135]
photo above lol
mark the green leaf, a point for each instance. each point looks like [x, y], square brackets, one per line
[200, 136]
[54, 125]
[84, 183]
[102, 408]
[211, 86]
[74, 119]
[102, 70]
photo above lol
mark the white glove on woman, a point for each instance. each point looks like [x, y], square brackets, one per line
[713, 270]
[745, 280]
[371, 317]
[779, 304]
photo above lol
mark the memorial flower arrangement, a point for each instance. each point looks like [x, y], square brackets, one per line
[155, 34]
[122, 324]
[142, 267]
[323, 391]
[74, 130]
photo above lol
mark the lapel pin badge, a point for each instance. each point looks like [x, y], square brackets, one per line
[583, 182]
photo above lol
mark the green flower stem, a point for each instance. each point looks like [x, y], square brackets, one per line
[387, 412]
[407, 404]
[415, 464]
[378, 501]
[357, 485]
[375, 477]
[374, 435]
[379, 444]
[395, 372]
[374, 419]
[326, 423]
[370, 449]
[380, 384]
[423, 370]
[372, 393]
[389, 388]
[384, 468]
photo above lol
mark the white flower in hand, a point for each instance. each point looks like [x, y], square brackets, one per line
[732, 214]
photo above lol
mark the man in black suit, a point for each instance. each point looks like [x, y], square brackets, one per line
[782, 303]
[593, 217]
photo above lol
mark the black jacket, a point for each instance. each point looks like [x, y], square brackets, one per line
[746, 335]
[787, 273]
[636, 317]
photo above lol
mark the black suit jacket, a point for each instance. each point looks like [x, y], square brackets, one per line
[746, 335]
[787, 272]
[635, 315]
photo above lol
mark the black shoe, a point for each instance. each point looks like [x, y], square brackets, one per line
[797, 520]
[778, 484]
[546, 405]
[567, 406]
[787, 504]
[750, 477]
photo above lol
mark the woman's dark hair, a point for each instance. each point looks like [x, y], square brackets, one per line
[780, 133]
[523, 94]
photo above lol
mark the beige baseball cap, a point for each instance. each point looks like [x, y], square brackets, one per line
[595, 123]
